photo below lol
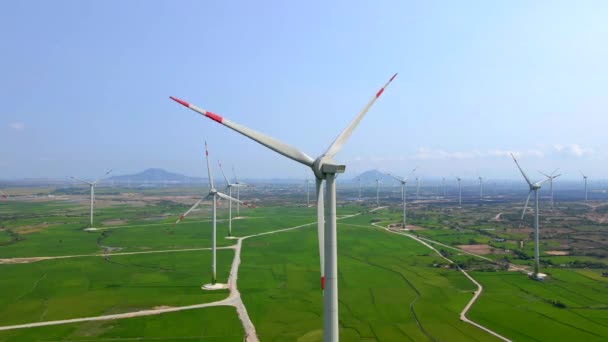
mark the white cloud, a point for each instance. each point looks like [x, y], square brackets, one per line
[574, 150]
[17, 126]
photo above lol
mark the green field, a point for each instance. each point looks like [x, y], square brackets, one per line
[391, 287]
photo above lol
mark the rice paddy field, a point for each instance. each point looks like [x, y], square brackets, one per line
[391, 287]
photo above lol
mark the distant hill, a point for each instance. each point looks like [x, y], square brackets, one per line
[156, 176]
[370, 176]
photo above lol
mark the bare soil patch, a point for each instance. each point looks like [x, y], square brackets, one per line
[31, 228]
[480, 249]
[557, 252]
[114, 222]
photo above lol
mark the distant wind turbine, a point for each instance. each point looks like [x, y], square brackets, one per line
[325, 169]
[378, 192]
[238, 185]
[551, 177]
[403, 182]
[213, 195]
[585, 179]
[480, 188]
[417, 188]
[459, 191]
[359, 188]
[534, 187]
[92, 187]
[229, 186]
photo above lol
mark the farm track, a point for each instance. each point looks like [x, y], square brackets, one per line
[476, 293]
[233, 299]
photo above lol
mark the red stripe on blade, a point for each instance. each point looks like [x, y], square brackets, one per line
[182, 102]
[379, 92]
[395, 75]
[214, 117]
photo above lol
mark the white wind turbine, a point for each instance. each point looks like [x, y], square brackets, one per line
[403, 182]
[238, 185]
[92, 187]
[417, 188]
[584, 178]
[229, 186]
[308, 192]
[359, 188]
[213, 195]
[480, 188]
[325, 169]
[533, 187]
[551, 177]
[378, 192]
[459, 191]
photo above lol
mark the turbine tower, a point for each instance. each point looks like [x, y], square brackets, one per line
[551, 177]
[480, 188]
[92, 187]
[229, 186]
[417, 188]
[585, 179]
[325, 169]
[308, 192]
[238, 185]
[459, 191]
[213, 195]
[359, 188]
[403, 182]
[377, 192]
[534, 187]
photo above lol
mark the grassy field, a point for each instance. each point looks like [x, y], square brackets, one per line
[92, 286]
[391, 287]
[217, 324]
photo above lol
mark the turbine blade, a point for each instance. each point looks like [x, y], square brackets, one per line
[544, 174]
[556, 176]
[208, 168]
[554, 171]
[183, 216]
[541, 182]
[80, 180]
[526, 205]
[321, 228]
[397, 178]
[411, 173]
[343, 136]
[223, 174]
[104, 175]
[229, 198]
[522, 171]
[272, 143]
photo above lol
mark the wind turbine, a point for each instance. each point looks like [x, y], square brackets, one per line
[403, 182]
[324, 169]
[443, 187]
[459, 191]
[551, 177]
[480, 188]
[238, 186]
[533, 187]
[213, 195]
[229, 187]
[585, 178]
[417, 188]
[92, 187]
[377, 192]
[359, 188]
[308, 192]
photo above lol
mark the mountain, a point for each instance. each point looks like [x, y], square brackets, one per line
[370, 176]
[156, 176]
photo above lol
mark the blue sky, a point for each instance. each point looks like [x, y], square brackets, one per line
[85, 85]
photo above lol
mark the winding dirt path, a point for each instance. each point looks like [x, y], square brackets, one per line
[476, 293]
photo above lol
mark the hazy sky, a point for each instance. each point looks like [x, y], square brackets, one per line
[84, 85]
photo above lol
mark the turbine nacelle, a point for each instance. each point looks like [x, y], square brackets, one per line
[324, 165]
